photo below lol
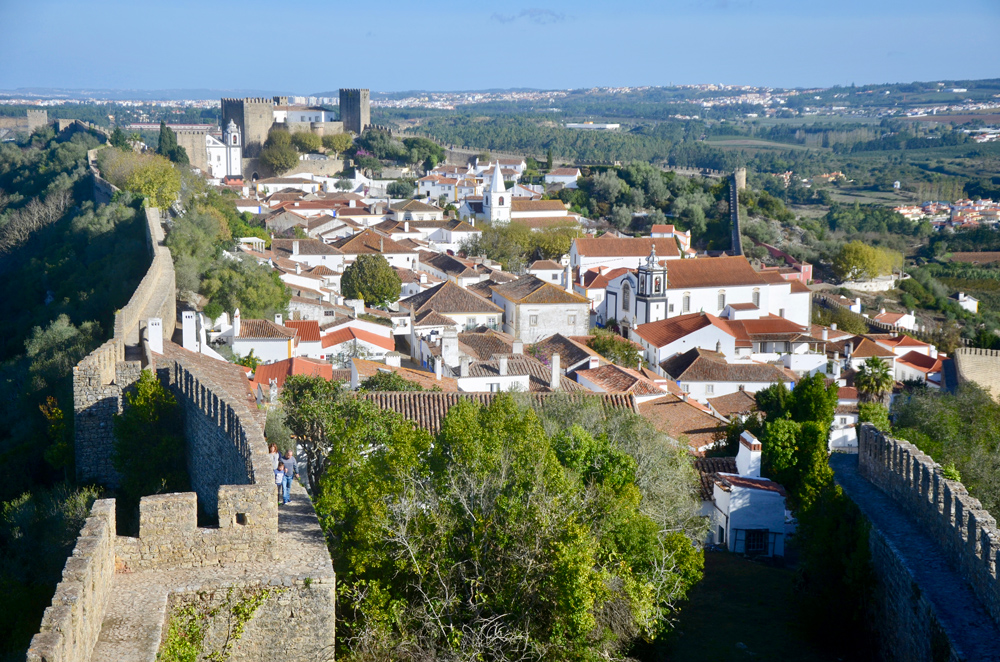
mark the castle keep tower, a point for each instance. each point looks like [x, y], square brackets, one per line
[355, 110]
[37, 118]
[253, 117]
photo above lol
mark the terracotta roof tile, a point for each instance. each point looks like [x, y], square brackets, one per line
[729, 481]
[368, 242]
[282, 370]
[426, 380]
[264, 330]
[308, 330]
[570, 351]
[699, 365]
[681, 420]
[531, 289]
[711, 272]
[350, 333]
[608, 245]
[707, 468]
[483, 345]
[666, 331]
[739, 402]
[526, 206]
[616, 379]
[449, 297]
[539, 374]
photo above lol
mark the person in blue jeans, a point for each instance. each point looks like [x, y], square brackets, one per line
[291, 468]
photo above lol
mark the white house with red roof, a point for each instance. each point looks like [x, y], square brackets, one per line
[269, 341]
[611, 252]
[349, 342]
[902, 320]
[670, 232]
[917, 366]
[310, 342]
[844, 430]
[749, 512]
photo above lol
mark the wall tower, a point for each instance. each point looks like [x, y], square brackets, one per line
[253, 117]
[355, 109]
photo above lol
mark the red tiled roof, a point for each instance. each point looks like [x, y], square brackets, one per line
[264, 329]
[739, 402]
[867, 348]
[308, 330]
[681, 420]
[666, 331]
[608, 245]
[921, 362]
[369, 241]
[349, 333]
[889, 318]
[531, 289]
[565, 172]
[712, 272]
[593, 279]
[449, 297]
[616, 379]
[426, 380]
[708, 467]
[281, 370]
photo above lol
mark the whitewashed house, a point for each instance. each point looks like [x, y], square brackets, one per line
[567, 177]
[534, 309]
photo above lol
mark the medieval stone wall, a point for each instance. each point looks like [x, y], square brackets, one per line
[193, 143]
[71, 625]
[957, 522]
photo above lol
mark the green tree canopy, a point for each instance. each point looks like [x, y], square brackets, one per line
[338, 143]
[497, 539]
[253, 288]
[306, 142]
[857, 260]
[388, 381]
[620, 351]
[278, 154]
[874, 380]
[370, 277]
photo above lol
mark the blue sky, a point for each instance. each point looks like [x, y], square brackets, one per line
[304, 47]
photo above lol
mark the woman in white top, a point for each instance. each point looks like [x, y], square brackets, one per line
[275, 456]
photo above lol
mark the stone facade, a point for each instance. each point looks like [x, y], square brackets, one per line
[355, 109]
[100, 378]
[193, 142]
[957, 522]
[978, 366]
[254, 117]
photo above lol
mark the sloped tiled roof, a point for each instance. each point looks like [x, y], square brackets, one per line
[349, 333]
[616, 379]
[711, 272]
[542, 222]
[282, 370]
[729, 481]
[433, 318]
[708, 467]
[594, 279]
[539, 374]
[739, 402]
[699, 365]
[531, 289]
[284, 247]
[449, 264]
[682, 420]
[666, 331]
[427, 409]
[426, 380]
[414, 206]
[868, 348]
[367, 242]
[570, 351]
[450, 298]
[608, 245]
[483, 345]
[546, 265]
[264, 330]
[889, 318]
[308, 330]
[921, 362]
[525, 206]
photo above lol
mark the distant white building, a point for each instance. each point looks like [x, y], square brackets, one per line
[565, 176]
[970, 304]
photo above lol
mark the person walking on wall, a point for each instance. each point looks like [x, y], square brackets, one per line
[291, 469]
[279, 473]
[272, 450]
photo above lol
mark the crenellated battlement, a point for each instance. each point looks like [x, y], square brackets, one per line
[955, 520]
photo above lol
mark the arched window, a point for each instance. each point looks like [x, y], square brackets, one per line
[686, 303]
[656, 284]
[626, 297]
[722, 299]
[756, 297]
[501, 201]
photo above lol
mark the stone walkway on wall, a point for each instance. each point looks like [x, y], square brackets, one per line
[136, 612]
[959, 611]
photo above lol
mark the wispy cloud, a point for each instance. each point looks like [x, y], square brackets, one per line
[533, 15]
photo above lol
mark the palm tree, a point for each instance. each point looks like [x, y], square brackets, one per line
[874, 381]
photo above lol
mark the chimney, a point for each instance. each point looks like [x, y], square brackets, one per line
[437, 368]
[298, 268]
[278, 319]
[189, 332]
[933, 351]
[882, 311]
[836, 365]
[463, 369]
[502, 366]
[826, 334]
[423, 278]
[202, 333]
[568, 280]
[406, 226]
[913, 313]
[352, 203]
[595, 362]
[718, 346]
[449, 346]
[154, 334]
[554, 381]
[295, 247]
[748, 456]
[833, 326]
[236, 323]
[518, 347]
[848, 350]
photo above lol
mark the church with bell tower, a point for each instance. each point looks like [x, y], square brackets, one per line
[651, 297]
[225, 157]
[497, 200]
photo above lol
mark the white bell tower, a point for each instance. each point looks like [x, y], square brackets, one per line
[496, 201]
[234, 150]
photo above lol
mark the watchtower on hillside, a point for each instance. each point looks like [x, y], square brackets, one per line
[355, 109]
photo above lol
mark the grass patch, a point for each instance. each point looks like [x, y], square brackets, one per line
[742, 610]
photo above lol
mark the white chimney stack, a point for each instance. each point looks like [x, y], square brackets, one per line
[826, 334]
[437, 368]
[554, 382]
[295, 247]
[278, 319]
[463, 367]
[518, 347]
[154, 333]
[568, 280]
[748, 456]
[236, 323]
[189, 332]
[406, 226]
[833, 326]
[502, 366]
